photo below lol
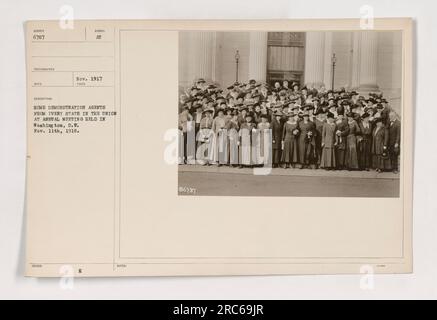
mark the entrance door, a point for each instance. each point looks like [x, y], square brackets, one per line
[285, 57]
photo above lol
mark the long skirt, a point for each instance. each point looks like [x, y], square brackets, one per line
[394, 157]
[394, 161]
[203, 152]
[246, 148]
[340, 156]
[290, 153]
[233, 146]
[351, 160]
[364, 154]
[219, 147]
[262, 147]
[318, 150]
[276, 155]
[307, 152]
[328, 158]
[182, 142]
[379, 162]
[190, 143]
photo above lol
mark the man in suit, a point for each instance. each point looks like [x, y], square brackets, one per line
[394, 128]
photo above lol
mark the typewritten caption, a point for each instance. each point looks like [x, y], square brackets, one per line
[68, 119]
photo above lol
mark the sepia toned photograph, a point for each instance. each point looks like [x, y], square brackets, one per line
[304, 114]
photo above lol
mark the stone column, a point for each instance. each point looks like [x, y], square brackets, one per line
[314, 58]
[258, 56]
[327, 72]
[204, 55]
[368, 61]
[356, 60]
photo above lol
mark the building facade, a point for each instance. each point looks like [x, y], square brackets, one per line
[366, 61]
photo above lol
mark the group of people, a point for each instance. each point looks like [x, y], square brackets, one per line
[255, 124]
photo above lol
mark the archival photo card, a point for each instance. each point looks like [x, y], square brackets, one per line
[238, 147]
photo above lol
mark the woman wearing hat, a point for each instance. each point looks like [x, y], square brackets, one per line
[309, 98]
[232, 128]
[184, 118]
[311, 115]
[197, 116]
[303, 95]
[228, 113]
[219, 140]
[379, 146]
[307, 154]
[257, 113]
[365, 145]
[341, 134]
[295, 110]
[204, 138]
[242, 116]
[329, 130]
[319, 123]
[245, 142]
[351, 159]
[290, 135]
[394, 130]
[277, 126]
[262, 152]
[266, 111]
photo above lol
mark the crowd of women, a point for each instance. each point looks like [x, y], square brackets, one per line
[254, 124]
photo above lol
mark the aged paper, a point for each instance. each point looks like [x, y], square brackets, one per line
[108, 193]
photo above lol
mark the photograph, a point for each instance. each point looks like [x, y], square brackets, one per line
[219, 159]
[293, 114]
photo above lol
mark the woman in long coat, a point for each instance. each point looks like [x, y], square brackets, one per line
[380, 137]
[204, 138]
[328, 143]
[232, 128]
[276, 138]
[307, 154]
[351, 160]
[365, 145]
[219, 146]
[342, 132]
[245, 135]
[263, 149]
[319, 122]
[290, 134]
[184, 118]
